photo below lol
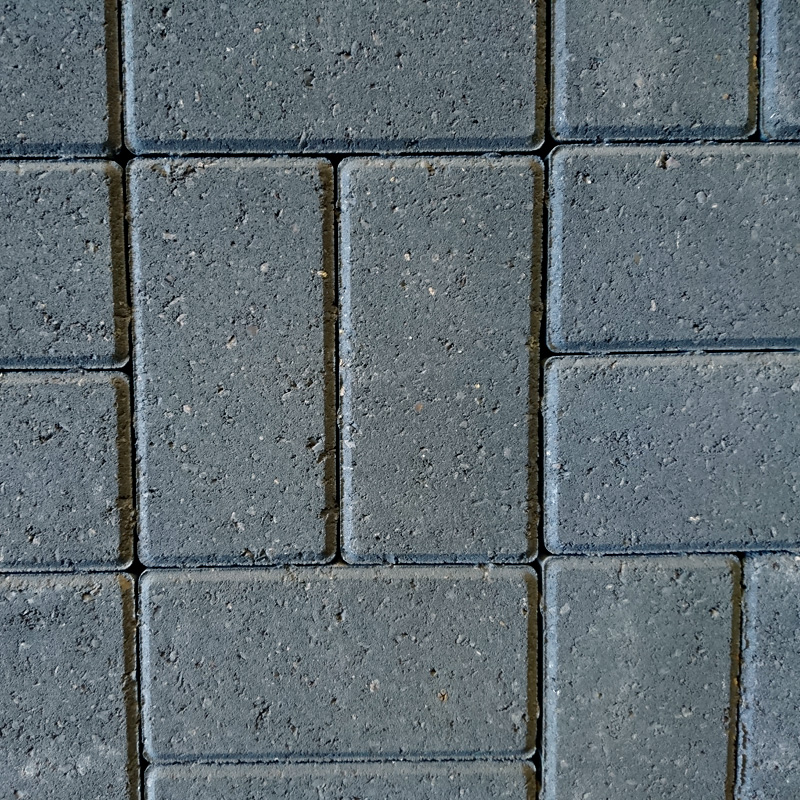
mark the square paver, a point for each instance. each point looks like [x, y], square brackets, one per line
[60, 89]
[646, 70]
[334, 77]
[641, 656]
[234, 341]
[440, 296]
[780, 69]
[68, 707]
[65, 471]
[63, 283]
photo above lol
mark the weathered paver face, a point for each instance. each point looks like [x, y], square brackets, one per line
[234, 337]
[439, 329]
[780, 69]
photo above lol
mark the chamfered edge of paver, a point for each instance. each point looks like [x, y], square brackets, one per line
[773, 124]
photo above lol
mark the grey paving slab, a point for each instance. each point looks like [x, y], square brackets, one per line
[63, 301]
[234, 339]
[337, 662]
[334, 77]
[68, 669]
[672, 453]
[674, 248]
[388, 781]
[60, 88]
[440, 296]
[780, 69]
[65, 471]
[638, 70]
[769, 745]
[640, 664]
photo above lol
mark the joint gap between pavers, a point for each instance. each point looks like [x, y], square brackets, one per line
[672, 352]
[323, 760]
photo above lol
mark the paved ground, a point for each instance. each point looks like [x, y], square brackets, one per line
[399, 400]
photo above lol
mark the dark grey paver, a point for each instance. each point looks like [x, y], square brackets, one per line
[677, 70]
[674, 248]
[65, 471]
[392, 781]
[326, 77]
[780, 69]
[769, 747]
[672, 453]
[338, 662]
[234, 335]
[440, 276]
[68, 670]
[63, 301]
[640, 661]
[59, 78]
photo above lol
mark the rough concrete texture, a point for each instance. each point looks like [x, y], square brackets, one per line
[639, 70]
[65, 471]
[640, 666]
[769, 750]
[780, 69]
[336, 662]
[234, 339]
[59, 78]
[331, 76]
[68, 671]
[674, 248]
[672, 453]
[440, 277]
[62, 265]
[392, 781]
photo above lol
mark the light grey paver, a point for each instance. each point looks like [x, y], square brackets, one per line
[780, 69]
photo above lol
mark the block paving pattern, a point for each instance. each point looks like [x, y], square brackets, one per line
[399, 400]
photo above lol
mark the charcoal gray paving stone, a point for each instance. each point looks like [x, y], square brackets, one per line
[393, 781]
[769, 751]
[338, 662]
[331, 76]
[65, 471]
[234, 337]
[672, 453]
[63, 301]
[68, 669]
[440, 295]
[674, 248]
[780, 69]
[639, 70]
[640, 660]
[59, 78]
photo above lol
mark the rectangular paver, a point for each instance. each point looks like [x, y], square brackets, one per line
[68, 670]
[780, 69]
[440, 277]
[375, 662]
[672, 453]
[639, 693]
[65, 471]
[675, 248]
[334, 77]
[62, 265]
[642, 70]
[392, 781]
[234, 340]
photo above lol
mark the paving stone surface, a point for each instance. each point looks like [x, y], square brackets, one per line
[769, 752]
[392, 781]
[780, 69]
[62, 265]
[234, 338]
[639, 659]
[376, 662]
[68, 670]
[638, 70]
[65, 471]
[440, 276]
[334, 77]
[674, 248]
[59, 78]
[672, 453]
